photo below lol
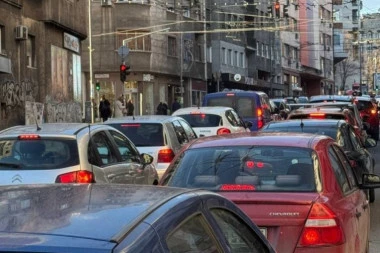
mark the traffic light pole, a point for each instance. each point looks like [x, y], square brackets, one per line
[92, 92]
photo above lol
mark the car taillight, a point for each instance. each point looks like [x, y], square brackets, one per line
[165, 155]
[237, 187]
[80, 176]
[321, 228]
[317, 115]
[223, 131]
[260, 120]
[29, 137]
[373, 111]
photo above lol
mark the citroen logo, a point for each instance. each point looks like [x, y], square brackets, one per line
[17, 179]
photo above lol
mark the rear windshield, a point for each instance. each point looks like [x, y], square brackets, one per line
[202, 120]
[244, 106]
[246, 168]
[329, 131]
[142, 134]
[38, 154]
[316, 116]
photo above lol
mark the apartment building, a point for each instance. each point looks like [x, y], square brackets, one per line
[40, 61]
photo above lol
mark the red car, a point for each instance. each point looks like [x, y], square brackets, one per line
[299, 188]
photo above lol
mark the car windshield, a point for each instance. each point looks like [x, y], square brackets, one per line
[38, 154]
[142, 134]
[246, 168]
[202, 119]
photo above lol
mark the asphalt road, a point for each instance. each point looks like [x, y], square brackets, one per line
[374, 238]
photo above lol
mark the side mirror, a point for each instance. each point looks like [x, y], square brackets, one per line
[249, 124]
[370, 143]
[147, 159]
[370, 181]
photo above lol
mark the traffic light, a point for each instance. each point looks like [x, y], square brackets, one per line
[286, 10]
[277, 9]
[124, 71]
[97, 86]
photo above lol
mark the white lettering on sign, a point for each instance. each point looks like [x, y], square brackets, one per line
[249, 80]
[102, 76]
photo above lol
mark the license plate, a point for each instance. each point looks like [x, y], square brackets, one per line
[264, 231]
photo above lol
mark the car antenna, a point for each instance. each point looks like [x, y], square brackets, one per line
[302, 125]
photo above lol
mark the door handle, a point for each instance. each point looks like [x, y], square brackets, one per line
[358, 214]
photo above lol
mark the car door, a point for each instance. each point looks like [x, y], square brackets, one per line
[130, 168]
[354, 203]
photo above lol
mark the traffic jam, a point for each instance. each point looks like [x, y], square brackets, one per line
[240, 173]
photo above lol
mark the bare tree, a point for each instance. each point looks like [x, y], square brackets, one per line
[345, 69]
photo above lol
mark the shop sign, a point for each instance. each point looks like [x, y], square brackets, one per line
[71, 42]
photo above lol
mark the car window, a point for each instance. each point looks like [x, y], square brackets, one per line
[347, 167]
[188, 130]
[127, 151]
[192, 236]
[245, 106]
[239, 235]
[245, 168]
[180, 132]
[142, 134]
[233, 118]
[103, 148]
[355, 141]
[202, 119]
[41, 154]
[339, 171]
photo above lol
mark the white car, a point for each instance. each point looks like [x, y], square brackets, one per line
[212, 120]
[161, 136]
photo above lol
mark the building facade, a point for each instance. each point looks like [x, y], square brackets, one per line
[40, 61]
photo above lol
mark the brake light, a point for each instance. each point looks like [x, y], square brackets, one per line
[259, 112]
[130, 125]
[260, 120]
[80, 176]
[230, 94]
[223, 131]
[29, 137]
[321, 228]
[373, 111]
[165, 155]
[237, 187]
[317, 115]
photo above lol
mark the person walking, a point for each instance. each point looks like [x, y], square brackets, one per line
[104, 108]
[175, 105]
[130, 108]
[119, 107]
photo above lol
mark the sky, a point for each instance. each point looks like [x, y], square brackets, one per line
[370, 6]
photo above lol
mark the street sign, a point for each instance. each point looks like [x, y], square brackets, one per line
[123, 51]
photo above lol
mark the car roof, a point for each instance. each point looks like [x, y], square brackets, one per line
[330, 98]
[306, 110]
[237, 91]
[206, 109]
[305, 140]
[94, 211]
[308, 122]
[49, 128]
[143, 119]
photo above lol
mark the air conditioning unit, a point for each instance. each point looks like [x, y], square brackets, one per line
[106, 3]
[21, 32]
[178, 89]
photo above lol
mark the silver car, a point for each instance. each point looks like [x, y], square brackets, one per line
[71, 153]
[160, 136]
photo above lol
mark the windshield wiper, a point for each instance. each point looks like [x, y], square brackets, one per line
[12, 165]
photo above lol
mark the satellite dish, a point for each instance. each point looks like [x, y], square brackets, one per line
[237, 77]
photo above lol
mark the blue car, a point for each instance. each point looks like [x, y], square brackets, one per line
[99, 218]
[252, 106]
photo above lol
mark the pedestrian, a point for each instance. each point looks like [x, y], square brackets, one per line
[165, 108]
[159, 109]
[104, 108]
[130, 108]
[119, 107]
[175, 105]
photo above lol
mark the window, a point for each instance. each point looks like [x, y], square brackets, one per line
[103, 149]
[240, 237]
[229, 57]
[172, 46]
[224, 56]
[336, 39]
[188, 130]
[31, 51]
[2, 40]
[192, 236]
[339, 171]
[180, 132]
[241, 60]
[235, 59]
[127, 152]
[135, 40]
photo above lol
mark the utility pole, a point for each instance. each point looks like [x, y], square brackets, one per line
[92, 92]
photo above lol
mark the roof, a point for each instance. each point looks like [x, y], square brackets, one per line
[309, 122]
[47, 128]
[258, 138]
[321, 98]
[83, 208]
[204, 109]
[143, 118]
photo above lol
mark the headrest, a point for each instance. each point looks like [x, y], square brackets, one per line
[288, 180]
[32, 147]
[206, 180]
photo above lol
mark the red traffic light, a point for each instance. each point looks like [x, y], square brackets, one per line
[123, 67]
[277, 5]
